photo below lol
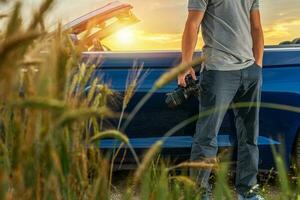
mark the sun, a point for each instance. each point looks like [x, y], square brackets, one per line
[125, 36]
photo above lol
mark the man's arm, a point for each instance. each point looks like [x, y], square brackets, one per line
[257, 37]
[189, 41]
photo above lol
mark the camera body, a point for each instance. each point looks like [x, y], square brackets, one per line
[182, 94]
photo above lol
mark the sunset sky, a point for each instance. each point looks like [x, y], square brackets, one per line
[162, 21]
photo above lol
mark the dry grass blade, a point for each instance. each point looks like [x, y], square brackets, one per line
[153, 151]
[40, 103]
[82, 114]
[196, 165]
[110, 134]
[56, 161]
[222, 189]
[173, 73]
[185, 180]
[38, 18]
[3, 16]
[14, 22]
[16, 41]
[285, 185]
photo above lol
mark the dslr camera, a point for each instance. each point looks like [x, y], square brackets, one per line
[182, 94]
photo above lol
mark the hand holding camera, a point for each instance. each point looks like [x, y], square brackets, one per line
[182, 77]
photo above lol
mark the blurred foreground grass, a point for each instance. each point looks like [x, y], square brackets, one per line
[48, 149]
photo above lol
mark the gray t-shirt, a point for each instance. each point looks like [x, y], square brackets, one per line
[226, 32]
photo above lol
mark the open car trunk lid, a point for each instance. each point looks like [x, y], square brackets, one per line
[101, 23]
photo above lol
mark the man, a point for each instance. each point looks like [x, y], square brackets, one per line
[232, 73]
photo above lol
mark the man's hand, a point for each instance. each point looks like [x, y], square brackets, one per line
[259, 64]
[181, 77]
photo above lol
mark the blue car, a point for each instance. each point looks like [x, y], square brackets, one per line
[279, 117]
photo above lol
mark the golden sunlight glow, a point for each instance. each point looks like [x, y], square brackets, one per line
[157, 31]
[125, 36]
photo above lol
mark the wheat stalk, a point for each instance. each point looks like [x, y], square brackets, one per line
[110, 134]
[185, 180]
[38, 17]
[17, 40]
[133, 80]
[82, 114]
[92, 90]
[207, 164]
[151, 153]
[15, 21]
[174, 72]
[40, 103]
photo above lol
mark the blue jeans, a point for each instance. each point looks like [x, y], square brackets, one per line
[219, 89]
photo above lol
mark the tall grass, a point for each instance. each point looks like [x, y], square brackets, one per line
[50, 126]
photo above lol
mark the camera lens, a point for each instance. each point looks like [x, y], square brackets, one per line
[175, 98]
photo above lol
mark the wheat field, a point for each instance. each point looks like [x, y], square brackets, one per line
[50, 127]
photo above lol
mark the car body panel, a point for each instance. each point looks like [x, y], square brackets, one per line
[281, 85]
[224, 140]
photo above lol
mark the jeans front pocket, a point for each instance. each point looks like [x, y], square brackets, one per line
[254, 72]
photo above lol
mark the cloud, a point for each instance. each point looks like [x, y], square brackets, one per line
[281, 30]
[160, 37]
